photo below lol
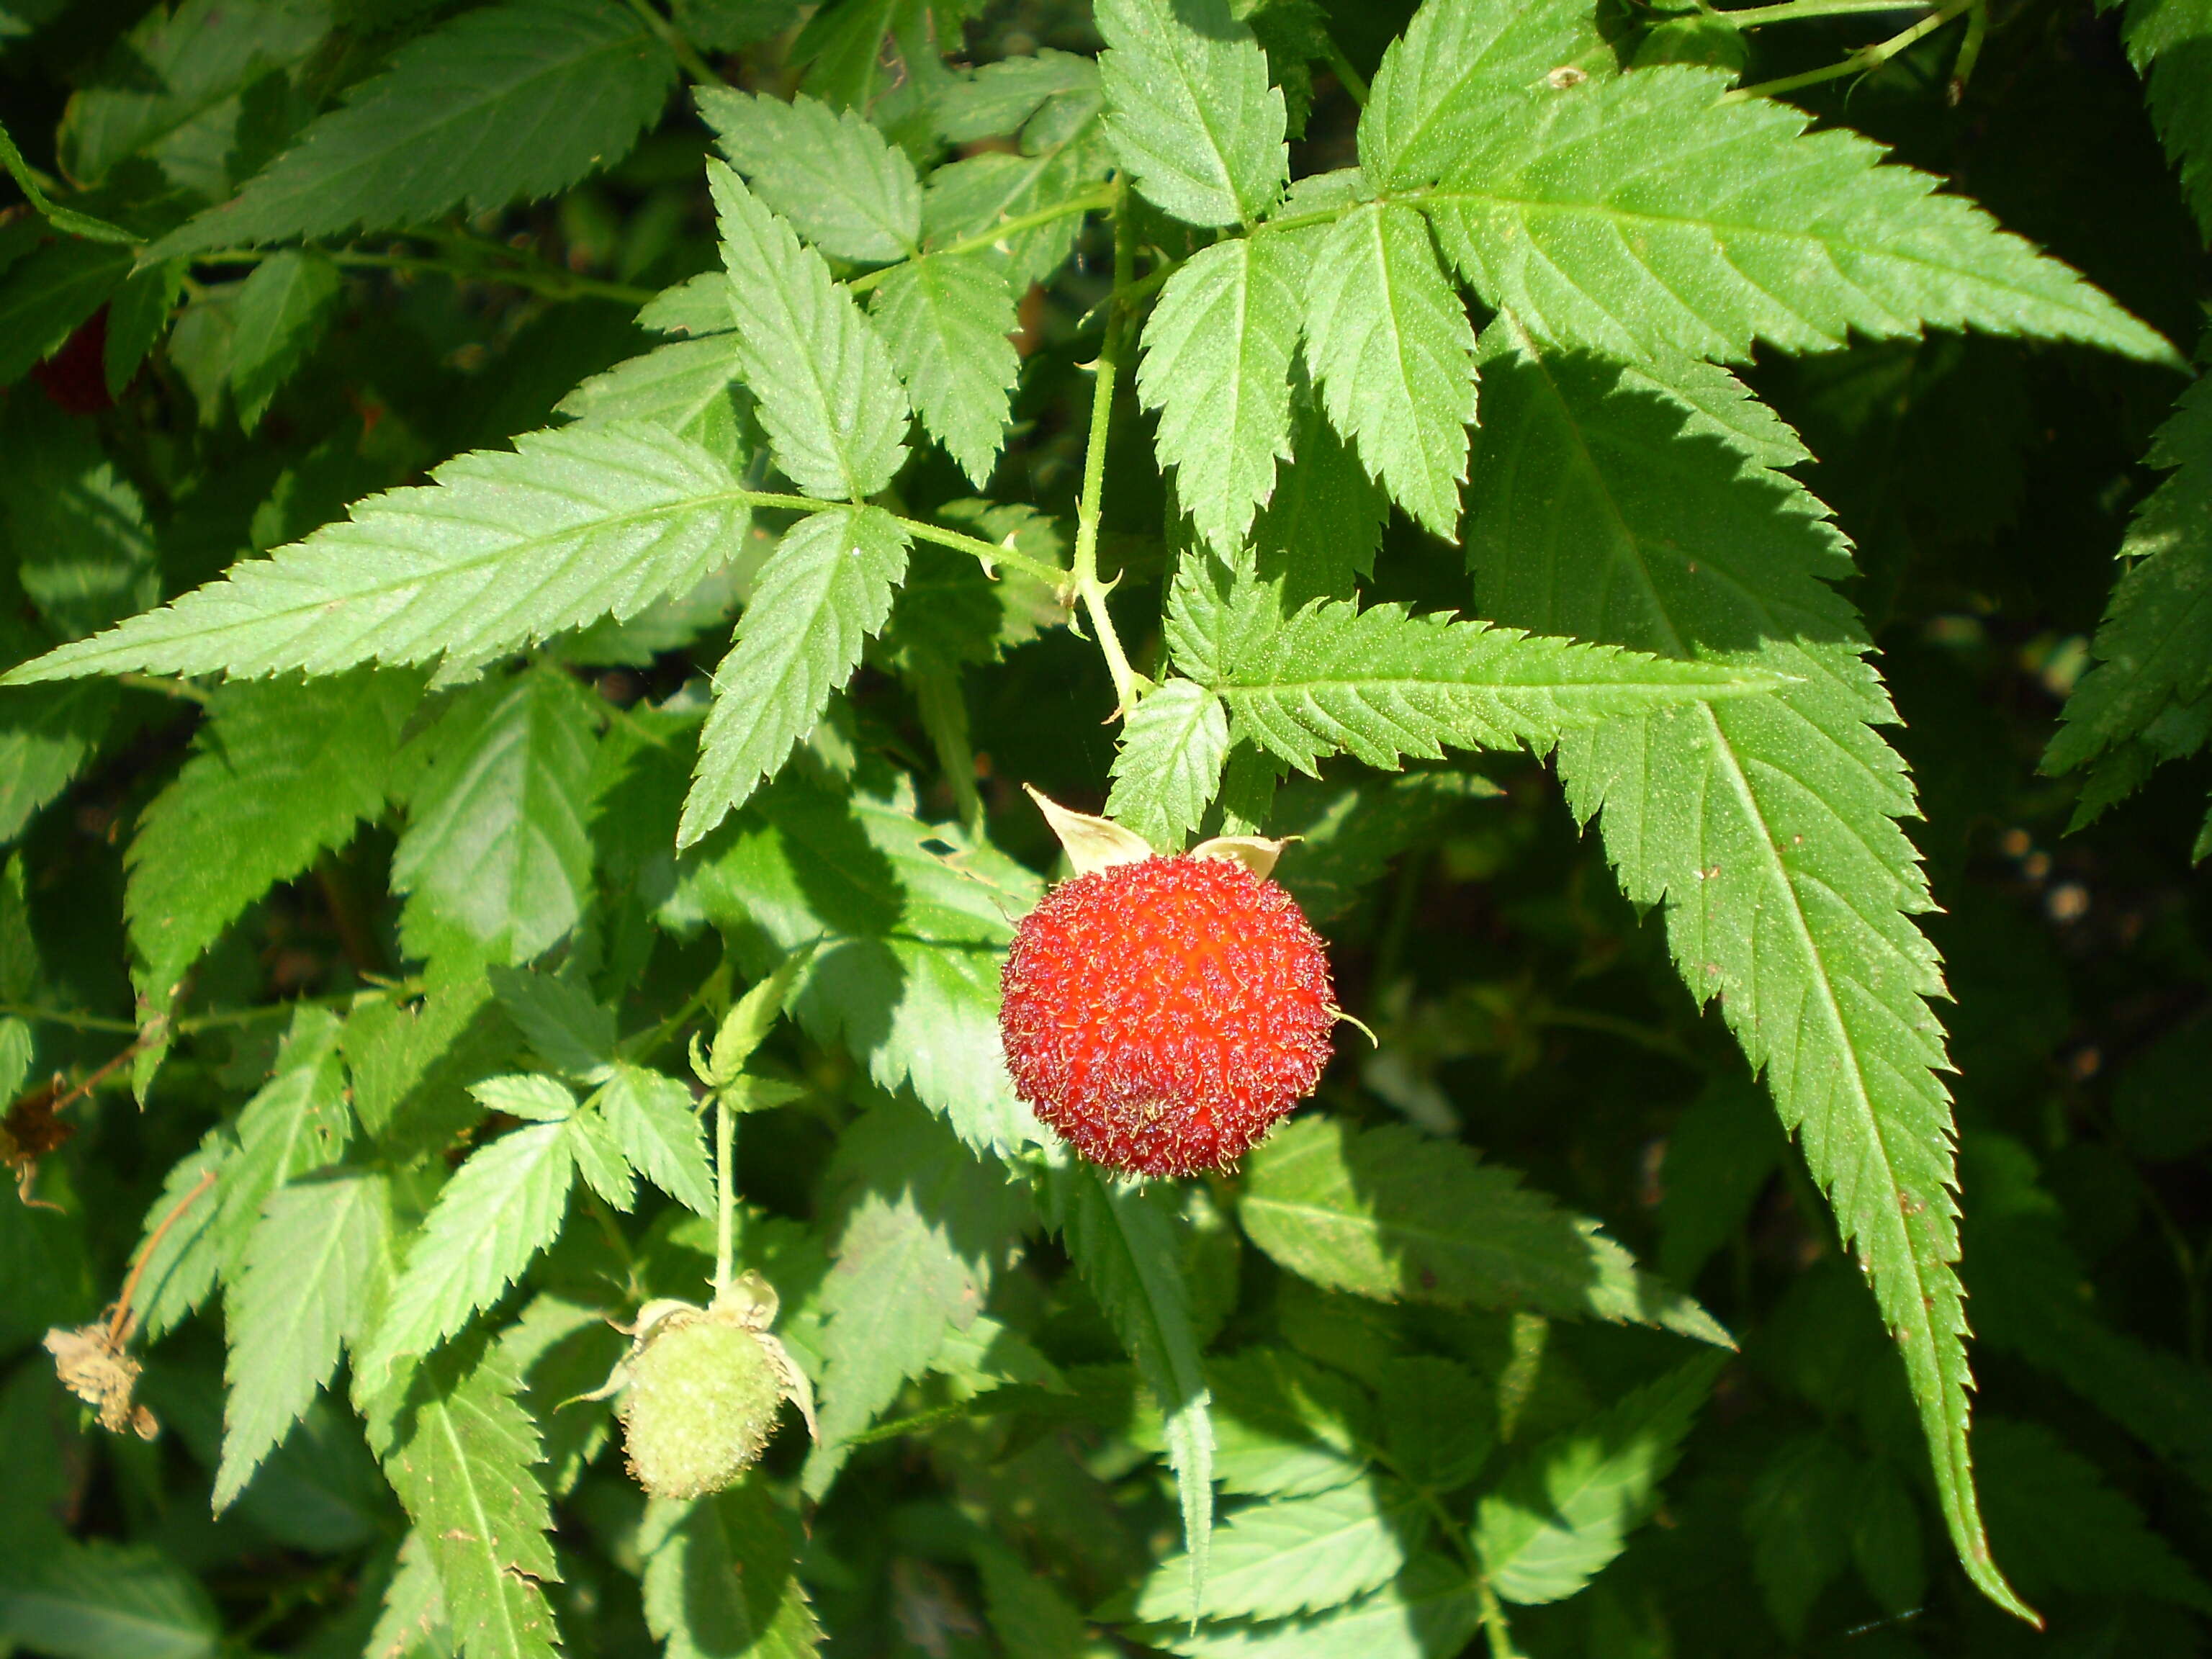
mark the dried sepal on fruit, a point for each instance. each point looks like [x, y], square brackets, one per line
[93, 1363]
[699, 1390]
[1162, 1014]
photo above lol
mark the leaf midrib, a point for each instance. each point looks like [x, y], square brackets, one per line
[1918, 1320]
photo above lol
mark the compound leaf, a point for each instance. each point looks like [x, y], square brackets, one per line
[1642, 213]
[461, 1457]
[502, 549]
[657, 1125]
[945, 317]
[1383, 683]
[1393, 352]
[825, 590]
[834, 412]
[1389, 1214]
[842, 185]
[280, 772]
[1564, 1510]
[497, 844]
[1616, 508]
[508, 103]
[1189, 111]
[1169, 765]
[501, 1207]
[1218, 353]
[313, 1271]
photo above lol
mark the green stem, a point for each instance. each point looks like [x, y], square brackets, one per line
[1091, 201]
[182, 690]
[1801, 11]
[1970, 49]
[686, 55]
[1862, 62]
[1128, 685]
[725, 1191]
[1349, 78]
[1493, 1622]
[714, 989]
[553, 284]
[68, 1021]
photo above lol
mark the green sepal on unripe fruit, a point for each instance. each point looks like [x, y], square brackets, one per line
[701, 1389]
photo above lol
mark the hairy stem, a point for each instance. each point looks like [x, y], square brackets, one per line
[1862, 62]
[686, 55]
[726, 1189]
[1091, 201]
[544, 280]
[1128, 685]
[1804, 11]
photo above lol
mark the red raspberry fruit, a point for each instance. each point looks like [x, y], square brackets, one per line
[1162, 1014]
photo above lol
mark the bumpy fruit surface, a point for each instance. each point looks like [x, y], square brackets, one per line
[701, 1398]
[1162, 1015]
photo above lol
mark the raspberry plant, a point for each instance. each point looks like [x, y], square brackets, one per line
[542, 537]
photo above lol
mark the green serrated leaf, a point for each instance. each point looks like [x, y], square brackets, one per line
[1460, 67]
[530, 1095]
[507, 103]
[280, 774]
[1440, 1419]
[412, 1615]
[502, 1208]
[47, 734]
[720, 1579]
[1219, 347]
[834, 413]
[824, 591]
[1393, 353]
[842, 185]
[654, 1121]
[967, 197]
[314, 1270]
[1642, 213]
[945, 319]
[496, 843]
[2153, 648]
[169, 88]
[177, 1272]
[1295, 1555]
[1169, 765]
[1564, 1509]
[2167, 41]
[298, 1123]
[1387, 1212]
[1795, 1521]
[84, 551]
[686, 386]
[503, 550]
[1720, 1156]
[104, 1601]
[45, 296]
[1431, 1610]
[907, 977]
[751, 1017]
[1616, 510]
[2055, 1517]
[282, 309]
[1318, 533]
[1383, 684]
[915, 1259]
[461, 1456]
[1189, 111]
[998, 98]
[1122, 1241]
[567, 1027]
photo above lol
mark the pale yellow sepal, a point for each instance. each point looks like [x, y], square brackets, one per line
[1091, 843]
[1257, 853]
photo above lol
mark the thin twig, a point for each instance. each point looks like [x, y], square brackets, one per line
[124, 1318]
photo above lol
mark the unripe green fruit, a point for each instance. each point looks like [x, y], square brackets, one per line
[702, 1396]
